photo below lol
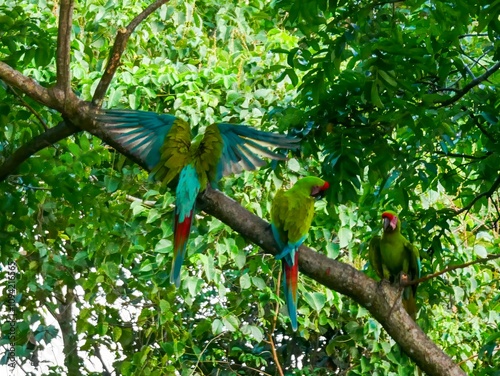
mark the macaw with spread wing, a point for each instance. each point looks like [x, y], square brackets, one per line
[291, 216]
[164, 142]
[393, 257]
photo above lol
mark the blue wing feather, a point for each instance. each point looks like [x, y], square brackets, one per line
[141, 132]
[242, 146]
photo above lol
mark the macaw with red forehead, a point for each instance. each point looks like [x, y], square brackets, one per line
[393, 257]
[292, 212]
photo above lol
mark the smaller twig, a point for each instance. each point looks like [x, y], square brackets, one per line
[27, 187]
[449, 269]
[97, 353]
[148, 203]
[244, 366]
[64, 45]
[487, 193]
[53, 135]
[27, 105]
[117, 51]
[206, 347]
[273, 327]
[469, 86]
[473, 35]
[464, 156]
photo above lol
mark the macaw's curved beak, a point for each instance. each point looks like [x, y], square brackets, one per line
[390, 224]
[319, 192]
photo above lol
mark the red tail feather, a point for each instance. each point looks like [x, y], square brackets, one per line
[181, 235]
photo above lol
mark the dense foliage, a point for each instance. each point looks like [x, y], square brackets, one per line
[397, 104]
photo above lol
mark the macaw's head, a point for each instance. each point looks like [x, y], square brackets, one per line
[312, 185]
[390, 221]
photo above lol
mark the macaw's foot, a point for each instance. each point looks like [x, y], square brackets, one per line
[404, 278]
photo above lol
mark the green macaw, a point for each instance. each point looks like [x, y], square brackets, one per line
[164, 142]
[394, 258]
[291, 216]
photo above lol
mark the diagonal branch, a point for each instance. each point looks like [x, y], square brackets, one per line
[28, 86]
[449, 269]
[487, 194]
[469, 86]
[63, 46]
[378, 299]
[51, 136]
[28, 106]
[117, 51]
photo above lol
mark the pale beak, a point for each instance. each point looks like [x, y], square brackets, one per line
[387, 223]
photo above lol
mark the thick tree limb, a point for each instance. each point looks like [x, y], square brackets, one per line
[27, 85]
[470, 86]
[63, 46]
[377, 298]
[117, 51]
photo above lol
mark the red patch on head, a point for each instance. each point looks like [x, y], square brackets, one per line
[390, 220]
[325, 186]
[388, 215]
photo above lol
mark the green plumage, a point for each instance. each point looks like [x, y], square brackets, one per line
[291, 216]
[392, 255]
[178, 151]
[293, 210]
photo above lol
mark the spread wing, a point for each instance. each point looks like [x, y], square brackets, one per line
[243, 147]
[161, 140]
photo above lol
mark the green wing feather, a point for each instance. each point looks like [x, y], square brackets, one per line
[207, 155]
[174, 153]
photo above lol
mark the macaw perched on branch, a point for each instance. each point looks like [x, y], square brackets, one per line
[164, 142]
[291, 216]
[394, 258]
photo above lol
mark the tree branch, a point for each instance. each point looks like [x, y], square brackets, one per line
[473, 35]
[449, 269]
[27, 105]
[469, 86]
[63, 46]
[53, 135]
[28, 86]
[377, 298]
[488, 194]
[117, 51]
[464, 156]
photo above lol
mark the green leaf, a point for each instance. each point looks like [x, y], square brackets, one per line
[231, 323]
[480, 250]
[345, 237]
[315, 300]
[217, 327]
[245, 282]
[375, 96]
[253, 331]
[164, 246]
